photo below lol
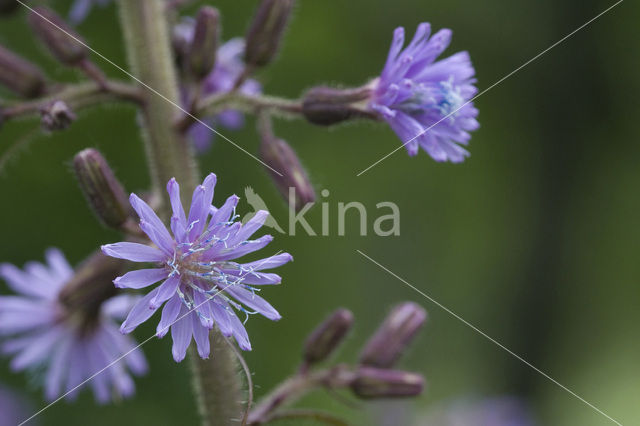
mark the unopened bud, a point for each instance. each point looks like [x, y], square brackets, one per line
[202, 51]
[102, 190]
[326, 106]
[266, 31]
[327, 336]
[379, 383]
[8, 6]
[62, 41]
[394, 335]
[287, 173]
[181, 37]
[56, 116]
[19, 75]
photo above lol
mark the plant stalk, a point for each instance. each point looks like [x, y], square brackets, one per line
[145, 27]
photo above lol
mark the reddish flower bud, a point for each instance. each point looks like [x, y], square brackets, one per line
[394, 335]
[19, 75]
[291, 178]
[202, 51]
[326, 106]
[379, 383]
[61, 40]
[266, 31]
[56, 116]
[103, 191]
[327, 336]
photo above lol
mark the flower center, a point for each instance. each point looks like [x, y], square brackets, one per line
[444, 98]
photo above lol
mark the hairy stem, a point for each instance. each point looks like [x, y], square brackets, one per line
[216, 382]
[297, 386]
[77, 96]
[217, 386]
[148, 47]
[252, 104]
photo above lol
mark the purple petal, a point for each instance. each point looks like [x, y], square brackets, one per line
[57, 368]
[141, 278]
[141, 312]
[166, 290]
[58, 264]
[22, 283]
[169, 314]
[181, 334]
[253, 301]
[240, 333]
[147, 214]
[269, 262]
[119, 306]
[242, 249]
[37, 351]
[223, 214]
[201, 336]
[200, 203]
[134, 252]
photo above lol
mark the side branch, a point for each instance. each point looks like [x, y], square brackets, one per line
[214, 104]
[78, 96]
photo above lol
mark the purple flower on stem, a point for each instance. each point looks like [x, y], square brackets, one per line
[427, 102]
[42, 335]
[202, 285]
[228, 67]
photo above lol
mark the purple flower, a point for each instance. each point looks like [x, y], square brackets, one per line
[81, 8]
[426, 103]
[14, 409]
[228, 67]
[202, 285]
[42, 335]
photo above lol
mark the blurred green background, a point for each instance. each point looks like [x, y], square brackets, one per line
[534, 239]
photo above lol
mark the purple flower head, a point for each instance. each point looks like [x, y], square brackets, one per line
[427, 102]
[41, 335]
[228, 67]
[80, 9]
[202, 285]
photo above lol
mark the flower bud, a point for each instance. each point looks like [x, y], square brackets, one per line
[394, 335]
[327, 336]
[56, 116]
[19, 75]
[266, 30]
[101, 188]
[202, 51]
[326, 106]
[62, 41]
[8, 6]
[292, 181]
[379, 383]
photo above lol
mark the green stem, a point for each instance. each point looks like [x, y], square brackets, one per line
[296, 387]
[252, 104]
[149, 51]
[77, 96]
[216, 382]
